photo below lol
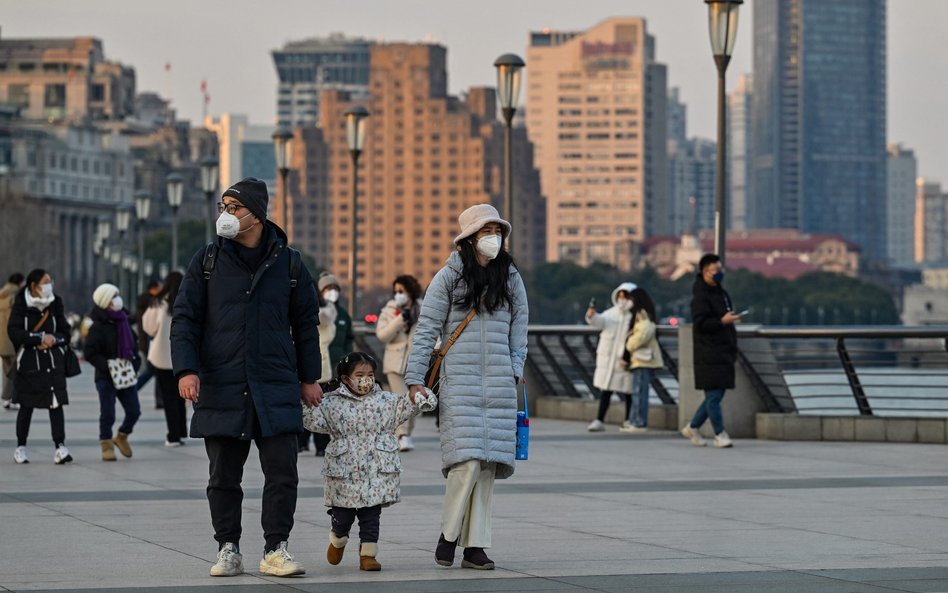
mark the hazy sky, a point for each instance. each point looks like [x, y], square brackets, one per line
[228, 43]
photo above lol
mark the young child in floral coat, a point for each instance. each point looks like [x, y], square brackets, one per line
[362, 466]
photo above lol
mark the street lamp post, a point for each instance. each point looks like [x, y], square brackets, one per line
[722, 25]
[122, 219]
[509, 68]
[142, 208]
[355, 136]
[281, 150]
[209, 166]
[102, 237]
[115, 257]
[175, 186]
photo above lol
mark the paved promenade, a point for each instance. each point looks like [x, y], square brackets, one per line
[604, 512]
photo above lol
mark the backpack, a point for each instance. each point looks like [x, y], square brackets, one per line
[210, 260]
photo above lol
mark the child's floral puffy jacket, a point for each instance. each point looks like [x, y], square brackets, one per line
[362, 465]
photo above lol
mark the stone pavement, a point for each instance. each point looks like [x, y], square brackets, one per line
[588, 512]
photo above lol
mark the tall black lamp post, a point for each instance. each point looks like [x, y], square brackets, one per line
[122, 219]
[175, 186]
[355, 136]
[142, 208]
[282, 151]
[209, 167]
[722, 25]
[509, 67]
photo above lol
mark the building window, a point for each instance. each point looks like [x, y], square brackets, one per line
[55, 96]
[18, 95]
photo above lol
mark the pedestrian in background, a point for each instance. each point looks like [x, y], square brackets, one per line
[111, 339]
[478, 395]
[40, 333]
[7, 351]
[395, 328]
[156, 322]
[611, 374]
[715, 349]
[330, 289]
[142, 303]
[643, 355]
[327, 333]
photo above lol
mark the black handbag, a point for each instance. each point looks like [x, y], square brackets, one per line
[71, 362]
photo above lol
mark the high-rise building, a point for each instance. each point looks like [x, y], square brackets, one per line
[931, 222]
[692, 166]
[819, 118]
[596, 113]
[738, 154]
[246, 150]
[428, 156]
[902, 170]
[67, 79]
[306, 68]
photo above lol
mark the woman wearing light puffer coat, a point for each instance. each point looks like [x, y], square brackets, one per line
[479, 375]
[612, 374]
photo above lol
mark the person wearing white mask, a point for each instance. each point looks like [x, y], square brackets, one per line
[40, 333]
[612, 374]
[110, 338]
[395, 328]
[479, 377]
[340, 344]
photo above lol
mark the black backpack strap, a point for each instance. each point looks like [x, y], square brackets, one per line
[296, 266]
[210, 260]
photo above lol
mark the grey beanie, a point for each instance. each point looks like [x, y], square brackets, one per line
[327, 279]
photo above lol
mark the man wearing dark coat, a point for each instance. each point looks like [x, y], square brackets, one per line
[245, 349]
[715, 348]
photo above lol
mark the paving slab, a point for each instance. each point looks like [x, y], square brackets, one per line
[588, 512]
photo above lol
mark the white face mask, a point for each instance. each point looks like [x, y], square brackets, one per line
[117, 303]
[401, 299]
[362, 385]
[489, 246]
[46, 290]
[625, 304]
[228, 225]
[331, 295]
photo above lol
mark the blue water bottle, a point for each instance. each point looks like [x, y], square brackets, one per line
[523, 430]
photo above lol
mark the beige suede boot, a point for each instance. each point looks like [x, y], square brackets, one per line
[337, 545]
[121, 443]
[367, 559]
[108, 450]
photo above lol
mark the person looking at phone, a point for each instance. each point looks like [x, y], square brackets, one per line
[715, 349]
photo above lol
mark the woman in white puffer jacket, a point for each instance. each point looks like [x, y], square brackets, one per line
[612, 373]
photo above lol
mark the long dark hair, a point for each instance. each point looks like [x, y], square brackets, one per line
[490, 281]
[169, 290]
[411, 285]
[34, 277]
[641, 301]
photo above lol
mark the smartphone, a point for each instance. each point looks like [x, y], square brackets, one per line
[744, 312]
[592, 303]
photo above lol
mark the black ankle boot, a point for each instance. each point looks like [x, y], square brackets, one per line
[476, 558]
[444, 553]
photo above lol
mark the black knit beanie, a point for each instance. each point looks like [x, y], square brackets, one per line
[253, 194]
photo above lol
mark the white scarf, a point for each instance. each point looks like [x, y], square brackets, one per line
[39, 302]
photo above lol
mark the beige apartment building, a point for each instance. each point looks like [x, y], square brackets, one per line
[428, 156]
[65, 79]
[596, 114]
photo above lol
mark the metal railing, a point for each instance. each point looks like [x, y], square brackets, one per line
[839, 370]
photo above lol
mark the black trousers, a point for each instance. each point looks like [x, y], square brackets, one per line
[227, 457]
[176, 411]
[57, 421]
[369, 520]
[604, 399]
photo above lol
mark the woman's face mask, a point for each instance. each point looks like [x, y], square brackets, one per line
[331, 295]
[46, 290]
[625, 304]
[361, 385]
[401, 299]
[228, 225]
[117, 303]
[489, 246]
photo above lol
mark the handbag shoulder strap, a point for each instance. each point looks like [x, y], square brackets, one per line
[42, 320]
[457, 332]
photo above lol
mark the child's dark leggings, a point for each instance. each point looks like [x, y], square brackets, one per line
[369, 520]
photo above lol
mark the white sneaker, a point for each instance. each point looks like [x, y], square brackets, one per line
[596, 426]
[692, 434]
[62, 455]
[629, 427]
[230, 563]
[19, 455]
[722, 440]
[174, 443]
[405, 443]
[280, 563]
[7, 404]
